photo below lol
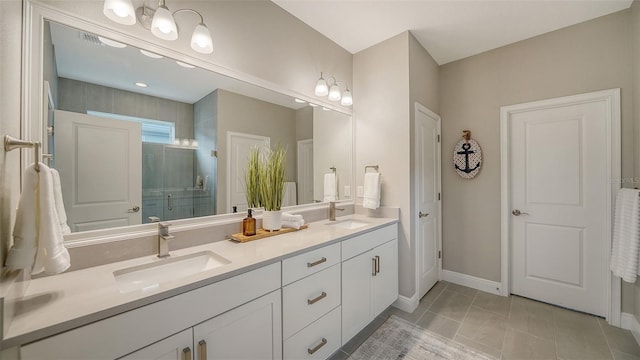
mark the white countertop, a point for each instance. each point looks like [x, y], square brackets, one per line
[62, 302]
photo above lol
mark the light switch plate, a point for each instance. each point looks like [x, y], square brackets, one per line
[360, 191]
[347, 190]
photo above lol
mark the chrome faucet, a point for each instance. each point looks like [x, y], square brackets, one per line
[163, 239]
[332, 210]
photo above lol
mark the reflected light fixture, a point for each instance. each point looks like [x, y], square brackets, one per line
[299, 101]
[185, 65]
[160, 21]
[111, 43]
[141, 84]
[331, 89]
[151, 54]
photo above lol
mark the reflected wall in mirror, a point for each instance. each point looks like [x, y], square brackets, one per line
[135, 135]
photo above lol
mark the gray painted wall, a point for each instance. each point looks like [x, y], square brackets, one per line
[590, 56]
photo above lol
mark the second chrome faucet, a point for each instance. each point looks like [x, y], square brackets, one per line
[332, 210]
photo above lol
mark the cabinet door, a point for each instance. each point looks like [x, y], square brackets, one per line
[356, 294]
[175, 347]
[384, 284]
[251, 331]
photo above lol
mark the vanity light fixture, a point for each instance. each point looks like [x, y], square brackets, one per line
[332, 90]
[160, 21]
[120, 11]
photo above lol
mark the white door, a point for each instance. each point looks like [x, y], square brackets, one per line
[427, 188]
[560, 190]
[238, 148]
[305, 171]
[100, 165]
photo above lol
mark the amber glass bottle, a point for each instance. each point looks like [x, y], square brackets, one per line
[249, 225]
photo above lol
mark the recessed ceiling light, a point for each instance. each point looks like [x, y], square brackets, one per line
[150, 54]
[185, 65]
[110, 42]
[312, 105]
[141, 84]
[299, 101]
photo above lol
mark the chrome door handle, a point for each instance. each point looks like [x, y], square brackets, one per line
[169, 202]
[202, 345]
[134, 209]
[421, 214]
[320, 297]
[517, 212]
[317, 262]
[186, 353]
[317, 347]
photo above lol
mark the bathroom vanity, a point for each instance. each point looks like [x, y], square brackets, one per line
[298, 295]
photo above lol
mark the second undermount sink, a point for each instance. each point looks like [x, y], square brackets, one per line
[348, 224]
[148, 277]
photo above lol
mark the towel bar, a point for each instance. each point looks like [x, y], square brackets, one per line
[11, 143]
[375, 167]
[333, 168]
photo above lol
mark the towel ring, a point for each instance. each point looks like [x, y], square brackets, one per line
[11, 143]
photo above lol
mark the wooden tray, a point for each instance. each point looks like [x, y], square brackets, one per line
[262, 233]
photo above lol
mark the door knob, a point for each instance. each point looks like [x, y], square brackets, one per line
[421, 214]
[134, 209]
[517, 212]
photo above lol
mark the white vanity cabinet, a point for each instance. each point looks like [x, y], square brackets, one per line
[175, 347]
[135, 330]
[369, 278]
[311, 298]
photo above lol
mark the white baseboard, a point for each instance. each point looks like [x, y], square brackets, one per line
[407, 304]
[485, 285]
[629, 322]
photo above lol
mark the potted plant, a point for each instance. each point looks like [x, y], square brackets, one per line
[271, 185]
[252, 178]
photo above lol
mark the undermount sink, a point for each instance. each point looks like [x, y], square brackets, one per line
[348, 224]
[148, 277]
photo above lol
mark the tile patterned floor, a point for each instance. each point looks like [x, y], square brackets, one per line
[510, 327]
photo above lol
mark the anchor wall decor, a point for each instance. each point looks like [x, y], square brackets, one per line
[467, 156]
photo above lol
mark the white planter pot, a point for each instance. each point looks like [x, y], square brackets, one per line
[272, 220]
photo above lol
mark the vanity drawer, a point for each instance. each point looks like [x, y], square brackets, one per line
[309, 263]
[322, 338]
[308, 299]
[365, 242]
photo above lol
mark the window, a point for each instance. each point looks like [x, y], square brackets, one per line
[153, 131]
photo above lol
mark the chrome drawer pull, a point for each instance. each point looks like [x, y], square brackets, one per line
[318, 262]
[320, 297]
[186, 353]
[203, 349]
[317, 347]
[377, 264]
[373, 271]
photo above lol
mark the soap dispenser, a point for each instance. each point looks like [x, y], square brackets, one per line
[249, 225]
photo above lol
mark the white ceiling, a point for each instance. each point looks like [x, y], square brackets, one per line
[448, 29]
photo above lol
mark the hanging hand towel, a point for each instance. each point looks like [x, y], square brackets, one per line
[57, 194]
[626, 235]
[372, 185]
[38, 240]
[330, 187]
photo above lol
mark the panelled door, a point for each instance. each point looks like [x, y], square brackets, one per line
[427, 185]
[560, 189]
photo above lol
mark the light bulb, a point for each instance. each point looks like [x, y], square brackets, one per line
[334, 93]
[201, 39]
[120, 11]
[322, 89]
[347, 99]
[163, 25]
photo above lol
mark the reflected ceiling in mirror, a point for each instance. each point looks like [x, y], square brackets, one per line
[138, 136]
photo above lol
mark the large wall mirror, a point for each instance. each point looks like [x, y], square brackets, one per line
[136, 135]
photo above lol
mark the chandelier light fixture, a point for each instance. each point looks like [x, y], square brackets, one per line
[331, 89]
[160, 21]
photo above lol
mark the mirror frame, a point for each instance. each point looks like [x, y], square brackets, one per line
[35, 13]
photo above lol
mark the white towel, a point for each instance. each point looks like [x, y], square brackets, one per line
[38, 241]
[291, 217]
[626, 235]
[330, 187]
[293, 224]
[371, 198]
[289, 198]
[57, 195]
